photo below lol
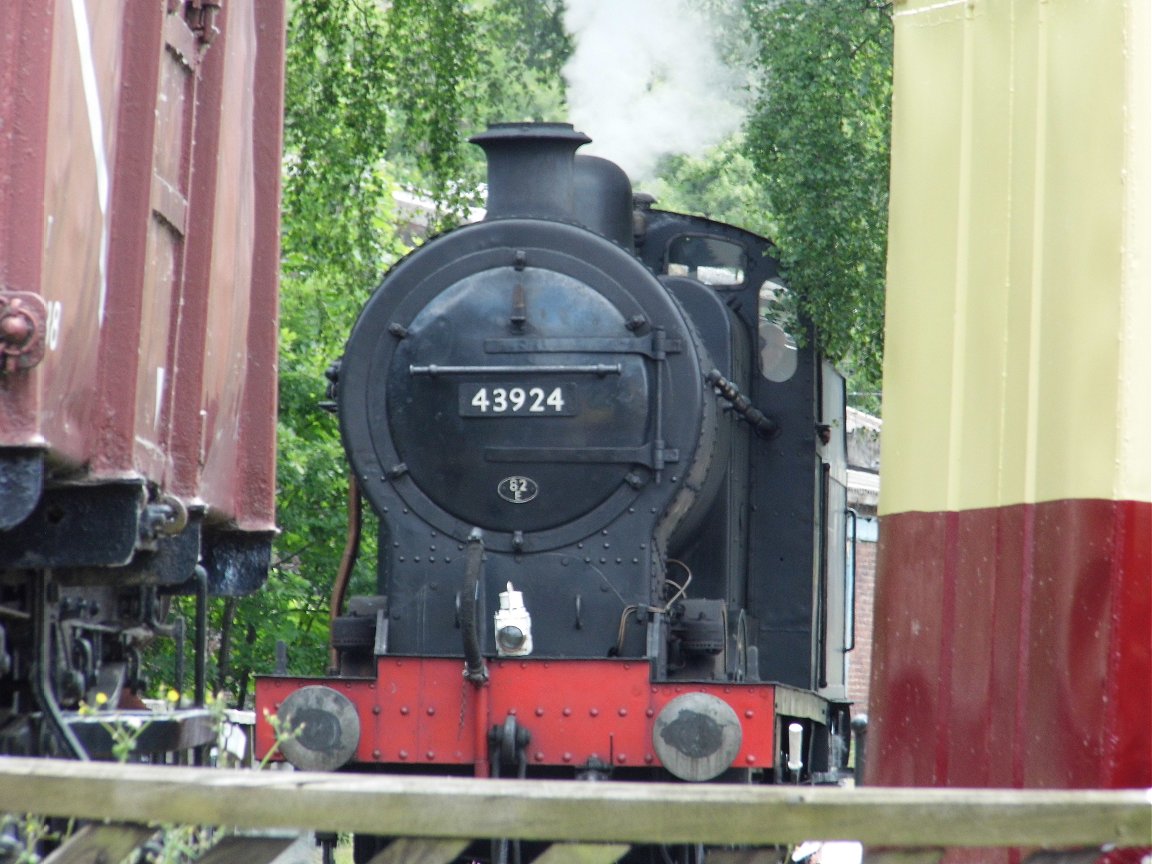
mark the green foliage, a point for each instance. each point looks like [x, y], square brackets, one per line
[282, 732]
[521, 47]
[720, 185]
[429, 76]
[335, 122]
[22, 837]
[819, 141]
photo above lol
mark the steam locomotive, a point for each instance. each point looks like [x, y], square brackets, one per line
[611, 491]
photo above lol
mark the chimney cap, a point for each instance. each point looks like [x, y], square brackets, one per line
[535, 131]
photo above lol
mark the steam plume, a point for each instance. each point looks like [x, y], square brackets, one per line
[647, 79]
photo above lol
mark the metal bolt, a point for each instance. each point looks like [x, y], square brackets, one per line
[16, 328]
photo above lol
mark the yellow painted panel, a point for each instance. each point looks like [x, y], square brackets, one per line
[921, 285]
[1134, 451]
[1018, 363]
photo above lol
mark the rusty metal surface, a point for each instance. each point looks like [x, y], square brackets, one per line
[153, 296]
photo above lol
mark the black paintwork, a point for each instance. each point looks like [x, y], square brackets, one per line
[767, 520]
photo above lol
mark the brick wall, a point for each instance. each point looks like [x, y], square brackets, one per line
[860, 659]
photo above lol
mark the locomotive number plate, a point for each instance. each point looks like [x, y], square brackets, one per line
[517, 400]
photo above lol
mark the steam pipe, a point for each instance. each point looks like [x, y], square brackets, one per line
[200, 668]
[347, 564]
[41, 678]
[474, 668]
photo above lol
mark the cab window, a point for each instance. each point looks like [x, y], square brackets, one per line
[719, 263]
[777, 348]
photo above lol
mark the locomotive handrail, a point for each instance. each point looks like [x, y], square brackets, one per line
[656, 347]
[850, 603]
[588, 369]
[604, 812]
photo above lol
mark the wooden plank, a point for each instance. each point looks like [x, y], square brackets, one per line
[455, 807]
[1065, 856]
[250, 850]
[774, 855]
[903, 856]
[412, 851]
[582, 853]
[93, 844]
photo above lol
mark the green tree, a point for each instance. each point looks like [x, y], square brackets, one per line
[721, 184]
[819, 140]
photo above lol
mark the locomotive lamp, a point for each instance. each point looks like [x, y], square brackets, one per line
[795, 749]
[513, 625]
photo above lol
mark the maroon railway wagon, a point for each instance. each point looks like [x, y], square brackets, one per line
[139, 207]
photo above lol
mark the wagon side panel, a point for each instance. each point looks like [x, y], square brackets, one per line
[240, 361]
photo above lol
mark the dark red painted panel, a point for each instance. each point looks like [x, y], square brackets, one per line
[25, 62]
[906, 658]
[222, 439]
[421, 711]
[254, 503]
[141, 203]
[1013, 647]
[127, 378]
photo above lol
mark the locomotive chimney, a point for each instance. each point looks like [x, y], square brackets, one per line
[530, 169]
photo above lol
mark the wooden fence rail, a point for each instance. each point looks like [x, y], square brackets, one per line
[447, 809]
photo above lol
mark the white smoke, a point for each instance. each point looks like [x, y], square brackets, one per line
[647, 79]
